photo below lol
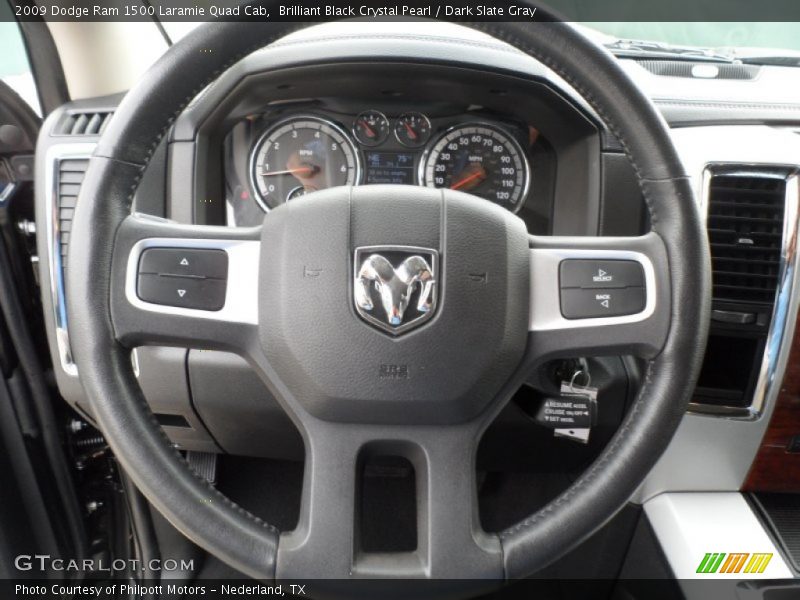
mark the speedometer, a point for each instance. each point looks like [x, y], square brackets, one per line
[302, 155]
[478, 159]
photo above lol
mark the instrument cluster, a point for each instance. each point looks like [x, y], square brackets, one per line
[302, 152]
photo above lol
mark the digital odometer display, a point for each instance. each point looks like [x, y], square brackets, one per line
[481, 160]
[389, 167]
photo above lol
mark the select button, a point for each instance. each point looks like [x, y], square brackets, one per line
[577, 303]
[593, 274]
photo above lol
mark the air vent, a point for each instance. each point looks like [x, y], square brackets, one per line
[745, 223]
[84, 123]
[70, 177]
[700, 70]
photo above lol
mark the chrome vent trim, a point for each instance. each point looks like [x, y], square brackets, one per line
[57, 240]
[785, 306]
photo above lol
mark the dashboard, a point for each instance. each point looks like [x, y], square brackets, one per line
[275, 158]
[267, 137]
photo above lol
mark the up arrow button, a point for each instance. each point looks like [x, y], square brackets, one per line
[186, 262]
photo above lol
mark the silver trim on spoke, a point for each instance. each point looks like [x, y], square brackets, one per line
[546, 291]
[241, 291]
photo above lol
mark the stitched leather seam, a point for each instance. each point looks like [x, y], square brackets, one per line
[594, 470]
[588, 96]
[725, 105]
[203, 482]
[213, 76]
[400, 37]
[610, 452]
[129, 203]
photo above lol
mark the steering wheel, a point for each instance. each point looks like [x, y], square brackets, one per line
[482, 309]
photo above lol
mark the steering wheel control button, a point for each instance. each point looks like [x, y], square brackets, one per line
[191, 262]
[183, 277]
[596, 274]
[200, 293]
[579, 303]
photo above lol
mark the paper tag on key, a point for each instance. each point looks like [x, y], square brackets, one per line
[572, 414]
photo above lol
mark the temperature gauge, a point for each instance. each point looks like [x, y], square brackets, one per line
[371, 128]
[412, 129]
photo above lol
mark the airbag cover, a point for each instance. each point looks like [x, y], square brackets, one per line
[340, 366]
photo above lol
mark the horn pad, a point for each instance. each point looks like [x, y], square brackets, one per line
[393, 304]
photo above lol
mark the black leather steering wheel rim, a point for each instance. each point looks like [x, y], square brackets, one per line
[239, 538]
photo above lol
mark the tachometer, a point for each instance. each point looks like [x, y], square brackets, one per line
[302, 155]
[481, 160]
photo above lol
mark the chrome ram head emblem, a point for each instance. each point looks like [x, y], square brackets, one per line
[395, 286]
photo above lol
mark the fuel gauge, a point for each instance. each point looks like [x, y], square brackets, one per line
[371, 128]
[412, 129]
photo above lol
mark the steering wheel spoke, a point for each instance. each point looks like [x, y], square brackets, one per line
[327, 541]
[599, 296]
[184, 285]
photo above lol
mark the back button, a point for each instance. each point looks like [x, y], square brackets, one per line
[579, 303]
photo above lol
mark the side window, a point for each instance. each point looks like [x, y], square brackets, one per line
[15, 70]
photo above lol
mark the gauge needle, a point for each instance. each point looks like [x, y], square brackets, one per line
[468, 179]
[411, 133]
[370, 131]
[306, 171]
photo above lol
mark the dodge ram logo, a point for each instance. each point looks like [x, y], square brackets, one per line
[395, 286]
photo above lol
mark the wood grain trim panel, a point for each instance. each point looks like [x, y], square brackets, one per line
[774, 468]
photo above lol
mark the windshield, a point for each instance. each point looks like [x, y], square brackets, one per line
[770, 38]
[14, 68]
